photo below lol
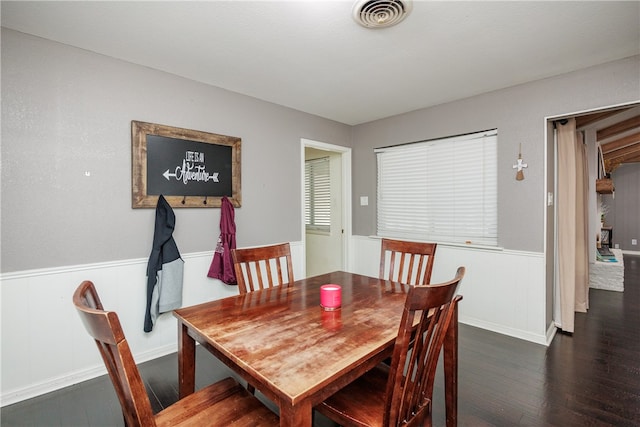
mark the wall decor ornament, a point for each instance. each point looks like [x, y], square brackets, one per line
[190, 168]
[520, 165]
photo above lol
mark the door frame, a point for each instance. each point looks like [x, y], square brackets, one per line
[345, 158]
[551, 216]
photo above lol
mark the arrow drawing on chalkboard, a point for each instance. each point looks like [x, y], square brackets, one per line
[167, 174]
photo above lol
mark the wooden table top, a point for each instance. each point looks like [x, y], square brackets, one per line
[288, 346]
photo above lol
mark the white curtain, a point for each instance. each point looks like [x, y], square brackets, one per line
[573, 265]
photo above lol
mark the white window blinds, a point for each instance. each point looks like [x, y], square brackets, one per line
[317, 203]
[441, 190]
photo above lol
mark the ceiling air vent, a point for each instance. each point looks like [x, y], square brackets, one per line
[380, 13]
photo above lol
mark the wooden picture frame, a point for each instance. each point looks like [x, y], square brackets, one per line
[190, 168]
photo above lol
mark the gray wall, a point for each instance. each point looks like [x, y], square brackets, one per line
[624, 209]
[519, 115]
[67, 111]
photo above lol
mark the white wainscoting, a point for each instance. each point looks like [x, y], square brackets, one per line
[503, 291]
[44, 345]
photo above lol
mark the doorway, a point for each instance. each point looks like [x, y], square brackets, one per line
[327, 248]
[602, 127]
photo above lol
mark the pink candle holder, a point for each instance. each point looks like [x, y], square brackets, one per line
[330, 297]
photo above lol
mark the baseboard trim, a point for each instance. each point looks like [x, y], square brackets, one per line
[551, 333]
[54, 384]
[515, 333]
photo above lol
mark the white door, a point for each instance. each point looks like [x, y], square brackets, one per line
[326, 247]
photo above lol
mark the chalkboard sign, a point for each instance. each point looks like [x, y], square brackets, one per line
[189, 168]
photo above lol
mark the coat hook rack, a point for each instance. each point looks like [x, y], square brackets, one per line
[205, 200]
[184, 199]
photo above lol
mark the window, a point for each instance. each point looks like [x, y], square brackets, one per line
[317, 203]
[441, 190]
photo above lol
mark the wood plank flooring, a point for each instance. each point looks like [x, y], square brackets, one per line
[590, 378]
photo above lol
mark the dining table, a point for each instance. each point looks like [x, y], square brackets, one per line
[296, 353]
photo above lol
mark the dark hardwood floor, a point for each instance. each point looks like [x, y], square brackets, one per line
[590, 378]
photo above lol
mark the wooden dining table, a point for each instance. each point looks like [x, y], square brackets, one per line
[297, 354]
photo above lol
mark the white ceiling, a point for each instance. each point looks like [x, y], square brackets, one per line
[311, 56]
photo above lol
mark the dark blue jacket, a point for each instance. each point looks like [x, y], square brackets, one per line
[165, 268]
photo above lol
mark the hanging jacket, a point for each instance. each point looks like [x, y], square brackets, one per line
[165, 267]
[222, 264]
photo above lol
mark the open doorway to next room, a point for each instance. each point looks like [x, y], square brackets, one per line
[326, 206]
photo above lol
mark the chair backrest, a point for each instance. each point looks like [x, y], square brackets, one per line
[407, 262]
[410, 384]
[262, 267]
[105, 328]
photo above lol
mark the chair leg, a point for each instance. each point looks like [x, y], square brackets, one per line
[450, 351]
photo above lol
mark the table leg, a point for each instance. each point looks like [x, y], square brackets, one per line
[186, 362]
[300, 415]
[451, 371]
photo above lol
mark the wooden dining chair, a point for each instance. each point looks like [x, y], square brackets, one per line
[401, 394]
[223, 403]
[407, 262]
[262, 267]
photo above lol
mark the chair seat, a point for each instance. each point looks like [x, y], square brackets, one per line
[360, 403]
[225, 403]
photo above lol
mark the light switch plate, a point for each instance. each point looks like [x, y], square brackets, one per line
[364, 200]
